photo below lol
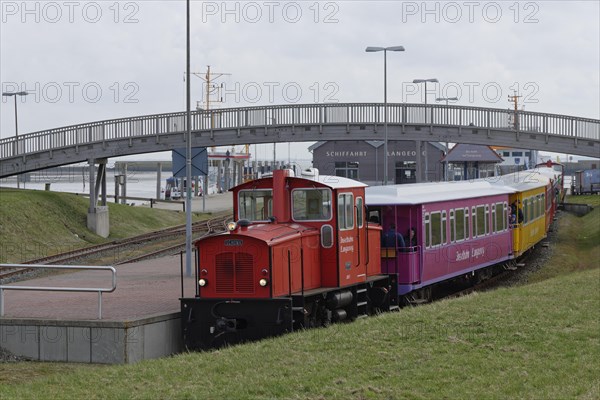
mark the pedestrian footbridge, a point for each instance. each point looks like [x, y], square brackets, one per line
[299, 123]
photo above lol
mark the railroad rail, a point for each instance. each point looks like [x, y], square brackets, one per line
[213, 225]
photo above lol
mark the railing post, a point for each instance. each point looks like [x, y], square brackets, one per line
[1, 302]
[99, 304]
[347, 118]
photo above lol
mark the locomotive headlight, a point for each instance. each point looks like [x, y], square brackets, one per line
[202, 282]
[231, 226]
[263, 282]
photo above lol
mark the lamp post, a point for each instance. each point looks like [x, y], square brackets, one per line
[433, 80]
[446, 99]
[188, 151]
[371, 49]
[15, 94]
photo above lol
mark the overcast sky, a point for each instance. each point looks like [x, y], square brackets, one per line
[87, 61]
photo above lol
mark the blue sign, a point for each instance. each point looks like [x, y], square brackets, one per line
[199, 162]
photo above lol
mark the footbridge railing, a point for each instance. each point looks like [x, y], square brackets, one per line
[299, 115]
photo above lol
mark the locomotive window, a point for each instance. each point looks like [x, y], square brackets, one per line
[487, 218]
[327, 236]
[345, 211]
[255, 205]
[467, 223]
[311, 204]
[360, 220]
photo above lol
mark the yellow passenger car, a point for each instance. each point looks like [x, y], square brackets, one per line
[528, 208]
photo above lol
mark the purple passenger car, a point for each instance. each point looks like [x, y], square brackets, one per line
[460, 228]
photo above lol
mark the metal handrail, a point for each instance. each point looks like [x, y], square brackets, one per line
[60, 289]
[300, 114]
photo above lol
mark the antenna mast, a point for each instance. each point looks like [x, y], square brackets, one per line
[515, 100]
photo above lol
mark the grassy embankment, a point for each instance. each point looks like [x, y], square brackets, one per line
[537, 341]
[35, 224]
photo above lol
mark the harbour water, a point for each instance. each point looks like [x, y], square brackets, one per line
[139, 184]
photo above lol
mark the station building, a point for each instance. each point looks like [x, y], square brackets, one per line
[471, 161]
[363, 160]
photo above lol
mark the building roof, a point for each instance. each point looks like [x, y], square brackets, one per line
[471, 153]
[316, 145]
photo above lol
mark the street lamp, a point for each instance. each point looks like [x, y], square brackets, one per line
[371, 49]
[446, 99]
[433, 80]
[15, 94]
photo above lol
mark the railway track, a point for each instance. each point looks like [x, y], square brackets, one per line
[173, 234]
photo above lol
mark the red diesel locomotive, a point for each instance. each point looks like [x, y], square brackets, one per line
[300, 254]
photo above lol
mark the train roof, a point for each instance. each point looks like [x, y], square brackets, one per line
[331, 181]
[334, 182]
[525, 180]
[432, 192]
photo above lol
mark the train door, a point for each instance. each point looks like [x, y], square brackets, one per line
[515, 219]
[361, 232]
[348, 240]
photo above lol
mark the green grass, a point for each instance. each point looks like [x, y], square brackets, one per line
[35, 224]
[578, 244]
[539, 341]
[535, 341]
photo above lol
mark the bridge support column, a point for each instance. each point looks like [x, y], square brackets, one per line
[97, 217]
[419, 166]
[158, 180]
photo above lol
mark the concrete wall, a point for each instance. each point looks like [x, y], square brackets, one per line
[103, 342]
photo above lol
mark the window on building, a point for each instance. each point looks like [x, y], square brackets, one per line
[517, 154]
[346, 169]
[311, 204]
[255, 205]
[406, 172]
[506, 154]
[527, 154]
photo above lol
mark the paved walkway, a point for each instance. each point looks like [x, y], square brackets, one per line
[144, 289]
[212, 203]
